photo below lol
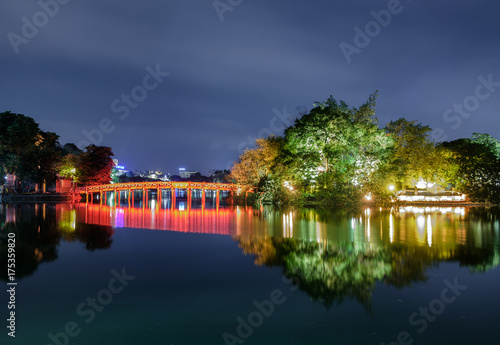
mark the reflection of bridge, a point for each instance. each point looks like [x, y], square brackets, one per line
[235, 221]
[161, 190]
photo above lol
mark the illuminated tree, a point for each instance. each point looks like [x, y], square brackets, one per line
[478, 167]
[336, 148]
[68, 167]
[95, 165]
[413, 155]
[255, 165]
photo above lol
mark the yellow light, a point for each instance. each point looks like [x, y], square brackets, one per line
[368, 197]
[391, 187]
[421, 184]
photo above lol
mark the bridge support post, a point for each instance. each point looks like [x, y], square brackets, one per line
[172, 198]
[132, 194]
[203, 199]
[128, 196]
[158, 195]
[217, 199]
[117, 197]
[100, 198]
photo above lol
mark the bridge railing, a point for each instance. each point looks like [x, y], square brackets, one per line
[162, 185]
[129, 188]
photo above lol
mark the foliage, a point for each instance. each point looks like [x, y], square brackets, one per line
[95, 165]
[68, 167]
[335, 154]
[17, 133]
[329, 155]
[25, 150]
[333, 137]
[220, 176]
[90, 167]
[337, 149]
[478, 167]
[115, 175]
[255, 165]
[412, 148]
[39, 163]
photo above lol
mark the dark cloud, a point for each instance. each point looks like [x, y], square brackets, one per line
[226, 77]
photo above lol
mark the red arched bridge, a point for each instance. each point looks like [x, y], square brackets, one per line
[129, 190]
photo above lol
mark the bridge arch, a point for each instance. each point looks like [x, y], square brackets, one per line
[130, 188]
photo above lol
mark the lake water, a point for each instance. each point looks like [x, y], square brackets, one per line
[94, 274]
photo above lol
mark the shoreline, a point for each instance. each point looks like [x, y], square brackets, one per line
[62, 198]
[36, 198]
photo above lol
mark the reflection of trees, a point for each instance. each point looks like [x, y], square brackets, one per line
[36, 239]
[39, 230]
[332, 273]
[95, 236]
[409, 265]
[327, 273]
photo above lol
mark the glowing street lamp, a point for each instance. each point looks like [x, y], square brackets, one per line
[391, 187]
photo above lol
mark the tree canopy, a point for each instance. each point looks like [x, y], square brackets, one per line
[338, 154]
[35, 156]
[477, 162]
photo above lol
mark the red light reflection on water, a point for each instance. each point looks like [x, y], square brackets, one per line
[224, 221]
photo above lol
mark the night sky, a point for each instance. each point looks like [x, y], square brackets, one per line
[232, 71]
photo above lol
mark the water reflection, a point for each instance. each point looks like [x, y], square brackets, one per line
[335, 256]
[39, 229]
[332, 255]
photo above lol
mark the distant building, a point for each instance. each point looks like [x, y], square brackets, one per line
[121, 171]
[152, 175]
[183, 173]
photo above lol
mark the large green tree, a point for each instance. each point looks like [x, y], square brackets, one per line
[410, 159]
[337, 148]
